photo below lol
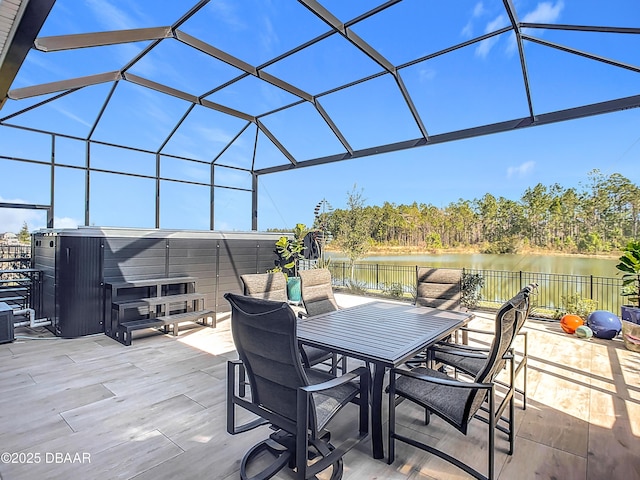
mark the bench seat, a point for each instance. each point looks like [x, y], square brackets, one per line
[125, 328]
[154, 301]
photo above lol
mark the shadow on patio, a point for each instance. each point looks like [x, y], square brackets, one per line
[94, 409]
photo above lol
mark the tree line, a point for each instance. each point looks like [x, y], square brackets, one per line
[600, 216]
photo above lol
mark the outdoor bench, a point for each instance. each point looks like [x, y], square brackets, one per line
[161, 308]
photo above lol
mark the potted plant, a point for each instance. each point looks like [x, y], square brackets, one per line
[630, 267]
[290, 251]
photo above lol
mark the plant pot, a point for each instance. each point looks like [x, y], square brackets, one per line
[631, 336]
[630, 314]
[293, 289]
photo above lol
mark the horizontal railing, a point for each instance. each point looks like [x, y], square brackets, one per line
[15, 251]
[499, 286]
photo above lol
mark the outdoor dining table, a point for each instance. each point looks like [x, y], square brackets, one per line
[385, 334]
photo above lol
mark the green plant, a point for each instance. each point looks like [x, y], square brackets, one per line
[356, 287]
[393, 289]
[290, 251]
[576, 305]
[323, 262]
[630, 267]
[471, 285]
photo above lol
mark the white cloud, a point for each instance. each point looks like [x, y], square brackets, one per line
[226, 12]
[478, 9]
[426, 74]
[12, 219]
[69, 114]
[66, 222]
[483, 49]
[545, 12]
[111, 17]
[213, 134]
[467, 30]
[521, 170]
[268, 36]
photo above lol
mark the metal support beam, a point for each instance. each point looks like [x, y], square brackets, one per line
[513, 17]
[254, 201]
[31, 206]
[212, 198]
[275, 141]
[62, 85]
[580, 53]
[26, 25]
[100, 39]
[509, 125]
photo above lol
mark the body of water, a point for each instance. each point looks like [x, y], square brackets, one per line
[565, 264]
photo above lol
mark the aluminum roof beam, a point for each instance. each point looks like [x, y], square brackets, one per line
[22, 31]
[509, 125]
[369, 51]
[100, 39]
[62, 85]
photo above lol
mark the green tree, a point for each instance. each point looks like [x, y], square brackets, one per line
[354, 229]
[598, 217]
[537, 204]
[24, 236]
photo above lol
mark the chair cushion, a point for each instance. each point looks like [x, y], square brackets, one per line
[447, 401]
[314, 355]
[317, 292]
[269, 286]
[468, 365]
[439, 287]
[330, 401]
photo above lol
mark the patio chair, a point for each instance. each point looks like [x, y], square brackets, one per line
[273, 286]
[470, 360]
[317, 293]
[439, 287]
[459, 402]
[297, 402]
[317, 298]
[269, 286]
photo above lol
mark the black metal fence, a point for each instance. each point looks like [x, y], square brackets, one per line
[18, 283]
[499, 286]
[14, 256]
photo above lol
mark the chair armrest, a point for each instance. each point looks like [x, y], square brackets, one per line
[463, 353]
[361, 372]
[233, 399]
[361, 394]
[448, 382]
[476, 330]
[458, 348]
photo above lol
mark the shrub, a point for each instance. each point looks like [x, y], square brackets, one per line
[576, 305]
[394, 289]
[471, 285]
[354, 286]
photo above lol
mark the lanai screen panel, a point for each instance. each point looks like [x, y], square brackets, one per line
[214, 94]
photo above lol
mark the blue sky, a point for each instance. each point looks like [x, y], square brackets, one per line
[472, 86]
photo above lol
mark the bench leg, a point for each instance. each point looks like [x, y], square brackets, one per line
[123, 336]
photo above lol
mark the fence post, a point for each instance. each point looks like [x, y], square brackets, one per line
[591, 287]
[377, 276]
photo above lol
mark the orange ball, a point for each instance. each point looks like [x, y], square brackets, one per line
[570, 322]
